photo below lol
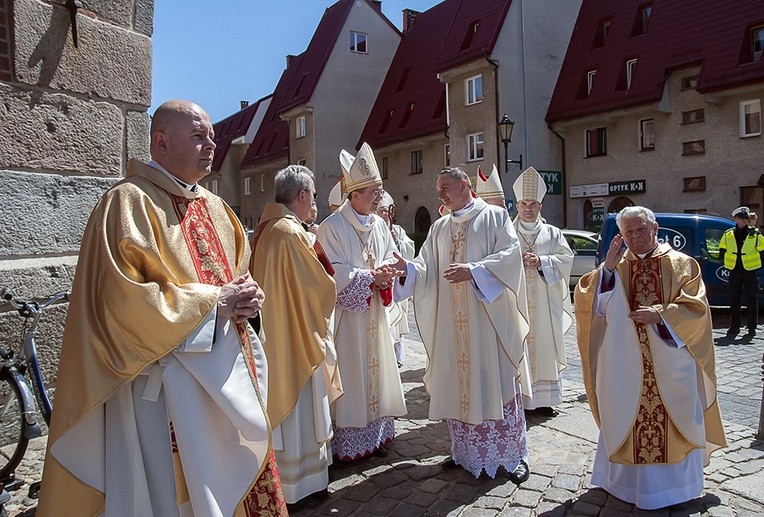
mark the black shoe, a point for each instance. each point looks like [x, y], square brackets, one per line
[750, 333]
[448, 463]
[521, 473]
[732, 332]
[546, 411]
[381, 452]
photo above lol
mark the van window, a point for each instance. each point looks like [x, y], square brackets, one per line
[711, 242]
[681, 238]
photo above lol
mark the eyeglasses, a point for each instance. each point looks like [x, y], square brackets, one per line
[376, 192]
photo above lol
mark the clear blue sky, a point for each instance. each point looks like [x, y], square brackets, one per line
[220, 53]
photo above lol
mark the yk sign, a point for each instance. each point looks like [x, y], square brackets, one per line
[626, 187]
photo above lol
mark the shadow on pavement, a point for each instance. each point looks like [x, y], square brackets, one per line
[597, 497]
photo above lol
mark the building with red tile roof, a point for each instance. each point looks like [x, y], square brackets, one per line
[459, 67]
[321, 101]
[667, 97]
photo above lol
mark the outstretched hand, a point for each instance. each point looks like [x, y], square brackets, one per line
[615, 252]
[457, 273]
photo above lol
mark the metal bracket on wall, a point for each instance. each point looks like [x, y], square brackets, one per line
[73, 5]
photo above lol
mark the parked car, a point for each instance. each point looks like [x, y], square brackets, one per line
[584, 246]
[696, 235]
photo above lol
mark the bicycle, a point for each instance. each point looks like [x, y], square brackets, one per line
[18, 412]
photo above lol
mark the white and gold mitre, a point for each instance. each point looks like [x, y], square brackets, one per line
[529, 185]
[386, 200]
[489, 187]
[360, 171]
[337, 194]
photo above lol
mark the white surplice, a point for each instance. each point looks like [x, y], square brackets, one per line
[372, 385]
[549, 309]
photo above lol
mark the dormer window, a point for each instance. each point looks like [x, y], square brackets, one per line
[757, 43]
[642, 20]
[358, 42]
[602, 31]
[631, 66]
[301, 127]
[470, 35]
[590, 81]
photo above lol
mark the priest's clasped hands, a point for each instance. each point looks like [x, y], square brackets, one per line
[241, 299]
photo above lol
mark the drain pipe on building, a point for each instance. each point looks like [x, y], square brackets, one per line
[562, 178]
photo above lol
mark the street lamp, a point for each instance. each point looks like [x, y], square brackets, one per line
[505, 133]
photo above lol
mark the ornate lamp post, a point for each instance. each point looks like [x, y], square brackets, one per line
[505, 134]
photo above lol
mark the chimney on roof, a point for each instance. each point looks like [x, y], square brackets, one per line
[289, 59]
[377, 4]
[408, 18]
[244, 104]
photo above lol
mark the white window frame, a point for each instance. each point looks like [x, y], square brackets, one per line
[475, 147]
[631, 66]
[641, 133]
[247, 186]
[756, 105]
[301, 127]
[587, 150]
[472, 95]
[756, 54]
[262, 183]
[355, 41]
[590, 75]
[447, 155]
[214, 187]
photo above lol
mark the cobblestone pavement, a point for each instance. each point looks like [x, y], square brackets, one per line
[410, 480]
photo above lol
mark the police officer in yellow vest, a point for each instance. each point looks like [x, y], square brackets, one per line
[742, 250]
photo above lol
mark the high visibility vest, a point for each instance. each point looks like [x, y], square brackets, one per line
[753, 245]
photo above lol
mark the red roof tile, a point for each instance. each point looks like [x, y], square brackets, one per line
[412, 101]
[231, 128]
[707, 33]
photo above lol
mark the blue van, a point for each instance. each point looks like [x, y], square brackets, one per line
[696, 235]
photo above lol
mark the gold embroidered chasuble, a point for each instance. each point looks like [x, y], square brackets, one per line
[148, 274]
[300, 298]
[644, 393]
[476, 350]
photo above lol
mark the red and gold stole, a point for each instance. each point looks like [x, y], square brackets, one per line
[212, 267]
[650, 444]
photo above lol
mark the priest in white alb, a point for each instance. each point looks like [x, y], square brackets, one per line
[358, 244]
[469, 298]
[647, 354]
[547, 259]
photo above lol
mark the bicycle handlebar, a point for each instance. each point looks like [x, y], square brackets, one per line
[6, 294]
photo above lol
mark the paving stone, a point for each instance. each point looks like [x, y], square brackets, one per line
[595, 496]
[550, 509]
[399, 492]
[379, 506]
[720, 511]
[340, 507]
[529, 498]
[408, 510]
[515, 511]
[584, 508]
[558, 495]
[566, 481]
[487, 501]
[389, 479]
[433, 486]
[611, 512]
[361, 493]
[424, 472]
[537, 482]
[422, 499]
[504, 490]
[445, 507]
[614, 503]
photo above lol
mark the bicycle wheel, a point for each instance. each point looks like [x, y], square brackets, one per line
[13, 443]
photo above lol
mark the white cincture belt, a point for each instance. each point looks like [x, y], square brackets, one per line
[154, 382]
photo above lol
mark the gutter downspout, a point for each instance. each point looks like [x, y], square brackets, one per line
[496, 117]
[562, 178]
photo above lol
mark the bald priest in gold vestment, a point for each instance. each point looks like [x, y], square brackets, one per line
[160, 399]
[644, 332]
